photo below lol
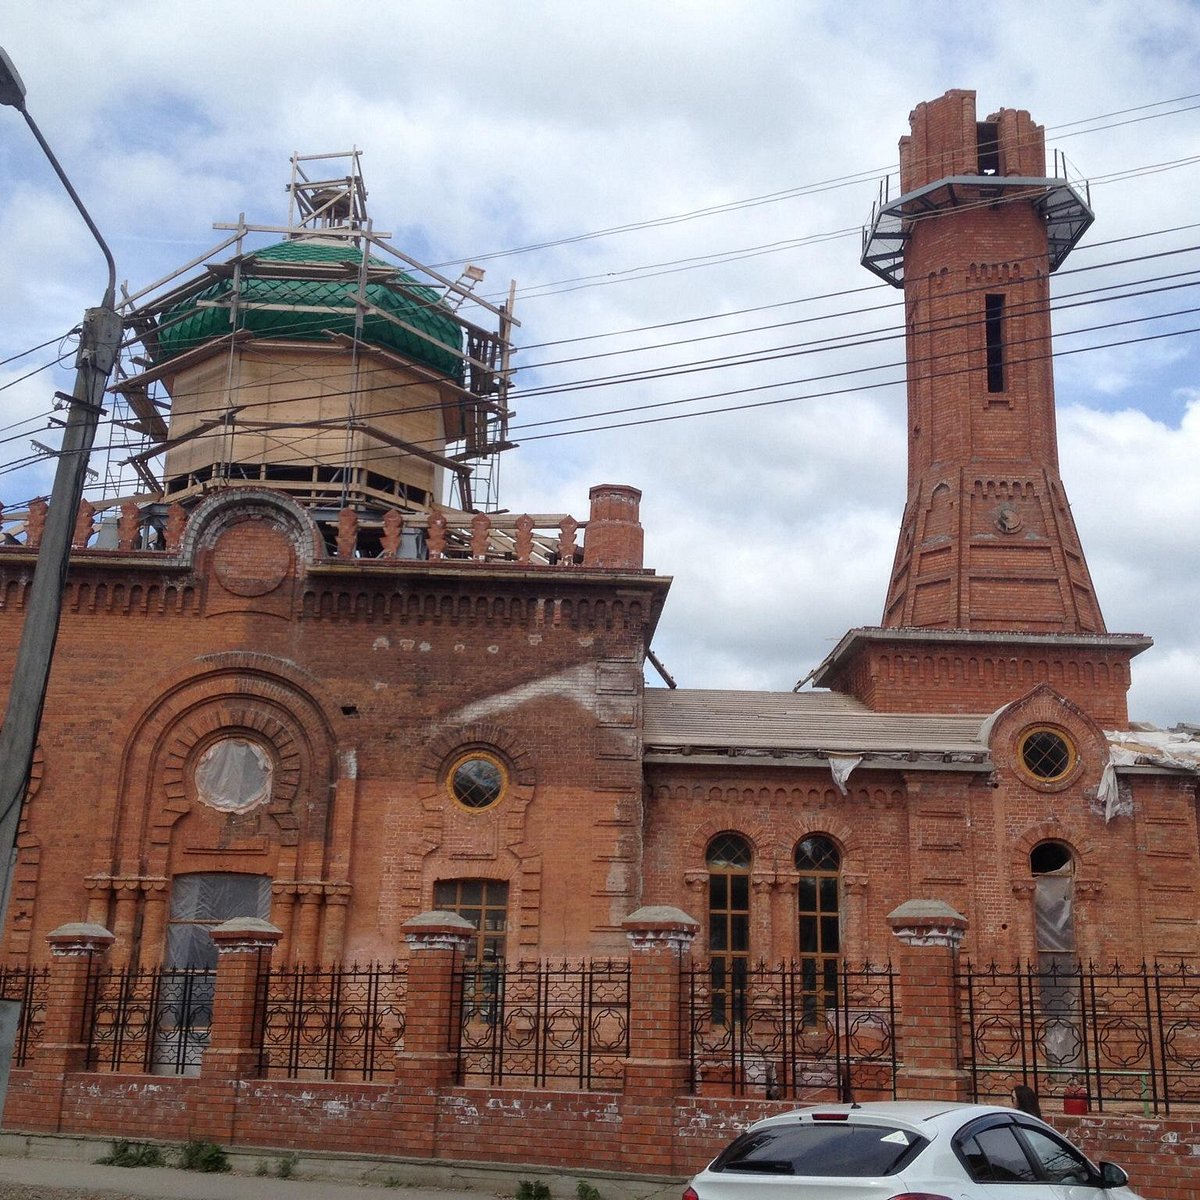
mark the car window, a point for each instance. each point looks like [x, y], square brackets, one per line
[1061, 1162]
[841, 1150]
[996, 1156]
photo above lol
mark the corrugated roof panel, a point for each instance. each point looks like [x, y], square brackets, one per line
[798, 721]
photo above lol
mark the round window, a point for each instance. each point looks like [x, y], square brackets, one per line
[477, 780]
[234, 775]
[1047, 754]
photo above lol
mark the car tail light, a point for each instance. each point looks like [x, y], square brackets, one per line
[690, 1194]
[831, 1116]
[917, 1196]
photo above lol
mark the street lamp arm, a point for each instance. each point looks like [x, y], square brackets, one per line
[111, 293]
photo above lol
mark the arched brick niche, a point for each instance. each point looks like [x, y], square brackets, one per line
[166, 821]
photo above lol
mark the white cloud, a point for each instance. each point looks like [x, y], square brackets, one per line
[488, 127]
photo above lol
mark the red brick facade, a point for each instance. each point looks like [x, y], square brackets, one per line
[354, 690]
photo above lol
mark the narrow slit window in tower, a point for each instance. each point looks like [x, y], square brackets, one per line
[993, 326]
[987, 136]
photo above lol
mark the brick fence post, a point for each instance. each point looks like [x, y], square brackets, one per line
[656, 1071]
[244, 948]
[428, 1064]
[63, 1045]
[930, 1030]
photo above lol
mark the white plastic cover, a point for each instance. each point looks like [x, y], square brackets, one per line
[1054, 918]
[202, 900]
[1177, 748]
[234, 775]
[840, 767]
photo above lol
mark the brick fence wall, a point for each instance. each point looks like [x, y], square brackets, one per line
[651, 1126]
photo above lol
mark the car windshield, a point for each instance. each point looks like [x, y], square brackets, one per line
[839, 1150]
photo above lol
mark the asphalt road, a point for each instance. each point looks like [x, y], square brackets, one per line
[54, 1179]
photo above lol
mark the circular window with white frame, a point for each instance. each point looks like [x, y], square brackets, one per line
[477, 779]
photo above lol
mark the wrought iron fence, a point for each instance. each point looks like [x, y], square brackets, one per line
[1124, 1036]
[772, 1032]
[147, 1019]
[533, 1023]
[30, 987]
[336, 1023]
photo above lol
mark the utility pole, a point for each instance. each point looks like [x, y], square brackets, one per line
[99, 341]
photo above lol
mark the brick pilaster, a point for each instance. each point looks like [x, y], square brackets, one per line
[929, 1034]
[428, 1064]
[63, 1046]
[244, 948]
[660, 942]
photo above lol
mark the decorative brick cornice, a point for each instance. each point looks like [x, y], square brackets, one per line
[116, 884]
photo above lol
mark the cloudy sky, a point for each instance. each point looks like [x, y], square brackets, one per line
[678, 190]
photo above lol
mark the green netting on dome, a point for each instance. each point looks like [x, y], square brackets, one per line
[187, 324]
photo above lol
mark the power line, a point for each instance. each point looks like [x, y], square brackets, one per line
[855, 177]
[860, 386]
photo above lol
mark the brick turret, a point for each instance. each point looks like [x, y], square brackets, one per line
[988, 553]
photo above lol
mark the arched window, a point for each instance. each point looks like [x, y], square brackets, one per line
[819, 863]
[1053, 867]
[728, 858]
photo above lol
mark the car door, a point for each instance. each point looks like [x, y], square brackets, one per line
[999, 1164]
[1070, 1173]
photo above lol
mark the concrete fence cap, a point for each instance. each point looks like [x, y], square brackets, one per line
[255, 926]
[659, 916]
[81, 931]
[242, 934]
[79, 939]
[438, 919]
[926, 912]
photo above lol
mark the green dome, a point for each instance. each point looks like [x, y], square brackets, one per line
[187, 325]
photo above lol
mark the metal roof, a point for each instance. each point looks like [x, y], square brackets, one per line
[798, 722]
[301, 303]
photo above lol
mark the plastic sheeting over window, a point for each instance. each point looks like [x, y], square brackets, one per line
[201, 901]
[1054, 918]
[234, 775]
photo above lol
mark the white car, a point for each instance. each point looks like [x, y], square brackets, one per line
[905, 1150]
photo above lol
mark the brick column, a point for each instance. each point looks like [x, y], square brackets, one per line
[306, 950]
[244, 948]
[333, 937]
[128, 894]
[63, 1048]
[929, 1033]
[153, 942]
[428, 1064]
[660, 943]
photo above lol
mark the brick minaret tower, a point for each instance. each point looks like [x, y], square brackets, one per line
[988, 555]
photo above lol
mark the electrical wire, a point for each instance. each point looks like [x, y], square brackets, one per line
[860, 386]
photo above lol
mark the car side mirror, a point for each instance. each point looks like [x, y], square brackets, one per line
[1112, 1176]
